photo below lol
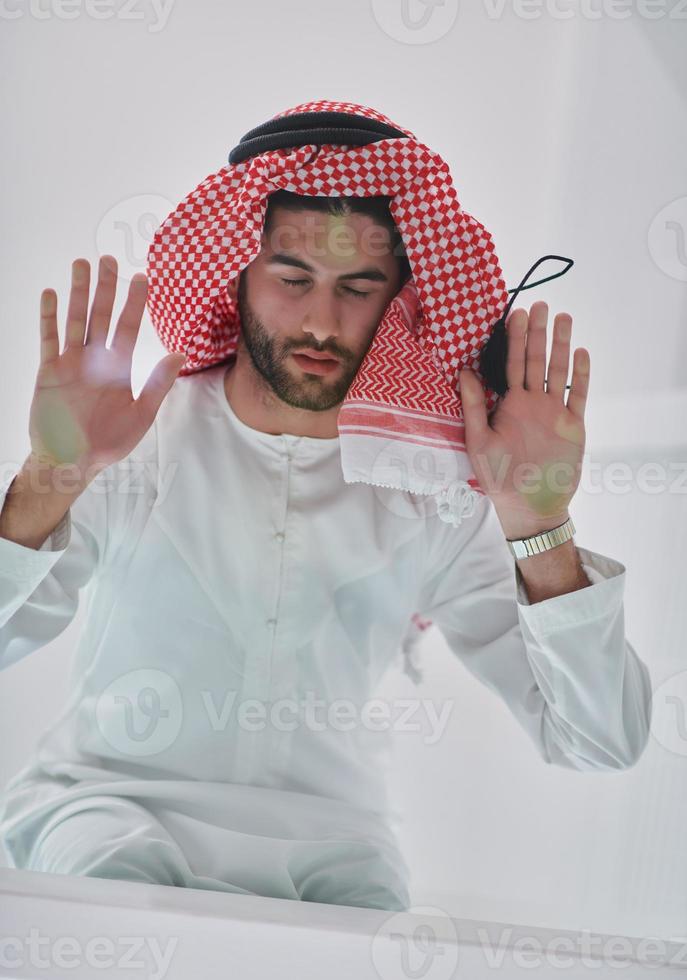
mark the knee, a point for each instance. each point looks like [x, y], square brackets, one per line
[119, 844]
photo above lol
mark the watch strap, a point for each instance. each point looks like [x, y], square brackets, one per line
[537, 543]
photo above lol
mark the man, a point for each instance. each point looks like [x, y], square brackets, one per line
[311, 291]
[240, 592]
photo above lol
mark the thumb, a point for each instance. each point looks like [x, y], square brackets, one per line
[474, 405]
[161, 379]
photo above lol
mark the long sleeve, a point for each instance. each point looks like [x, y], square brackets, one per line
[563, 666]
[40, 588]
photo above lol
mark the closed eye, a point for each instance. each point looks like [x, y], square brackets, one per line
[301, 282]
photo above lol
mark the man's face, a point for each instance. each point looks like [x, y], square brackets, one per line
[321, 282]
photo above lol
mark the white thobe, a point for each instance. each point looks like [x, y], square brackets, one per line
[231, 576]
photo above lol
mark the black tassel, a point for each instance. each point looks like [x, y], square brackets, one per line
[493, 358]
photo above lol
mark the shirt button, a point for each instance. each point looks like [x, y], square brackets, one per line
[280, 535]
[271, 622]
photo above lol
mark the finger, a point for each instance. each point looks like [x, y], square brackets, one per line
[129, 320]
[560, 356]
[101, 310]
[50, 341]
[78, 303]
[535, 352]
[161, 379]
[516, 330]
[577, 399]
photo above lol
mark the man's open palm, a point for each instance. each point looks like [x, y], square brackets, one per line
[527, 456]
[83, 411]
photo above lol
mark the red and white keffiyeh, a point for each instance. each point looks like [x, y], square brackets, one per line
[401, 423]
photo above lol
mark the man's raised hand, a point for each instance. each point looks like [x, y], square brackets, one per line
[83, 411]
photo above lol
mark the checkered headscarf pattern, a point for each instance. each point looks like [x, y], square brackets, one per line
[455, 295]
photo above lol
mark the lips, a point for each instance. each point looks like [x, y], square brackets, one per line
[316, 355]
[315, 362]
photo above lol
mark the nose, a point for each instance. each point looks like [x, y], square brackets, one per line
[321, 319]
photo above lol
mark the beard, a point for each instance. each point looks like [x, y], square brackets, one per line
[315, 393]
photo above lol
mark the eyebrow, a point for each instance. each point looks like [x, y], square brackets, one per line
[373, 274]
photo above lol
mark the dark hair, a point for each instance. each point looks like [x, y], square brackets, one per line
[493, 355]
[374, 207]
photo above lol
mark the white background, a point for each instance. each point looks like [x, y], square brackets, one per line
[564, 134]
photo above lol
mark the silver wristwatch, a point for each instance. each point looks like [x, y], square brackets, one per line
[526, 547]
